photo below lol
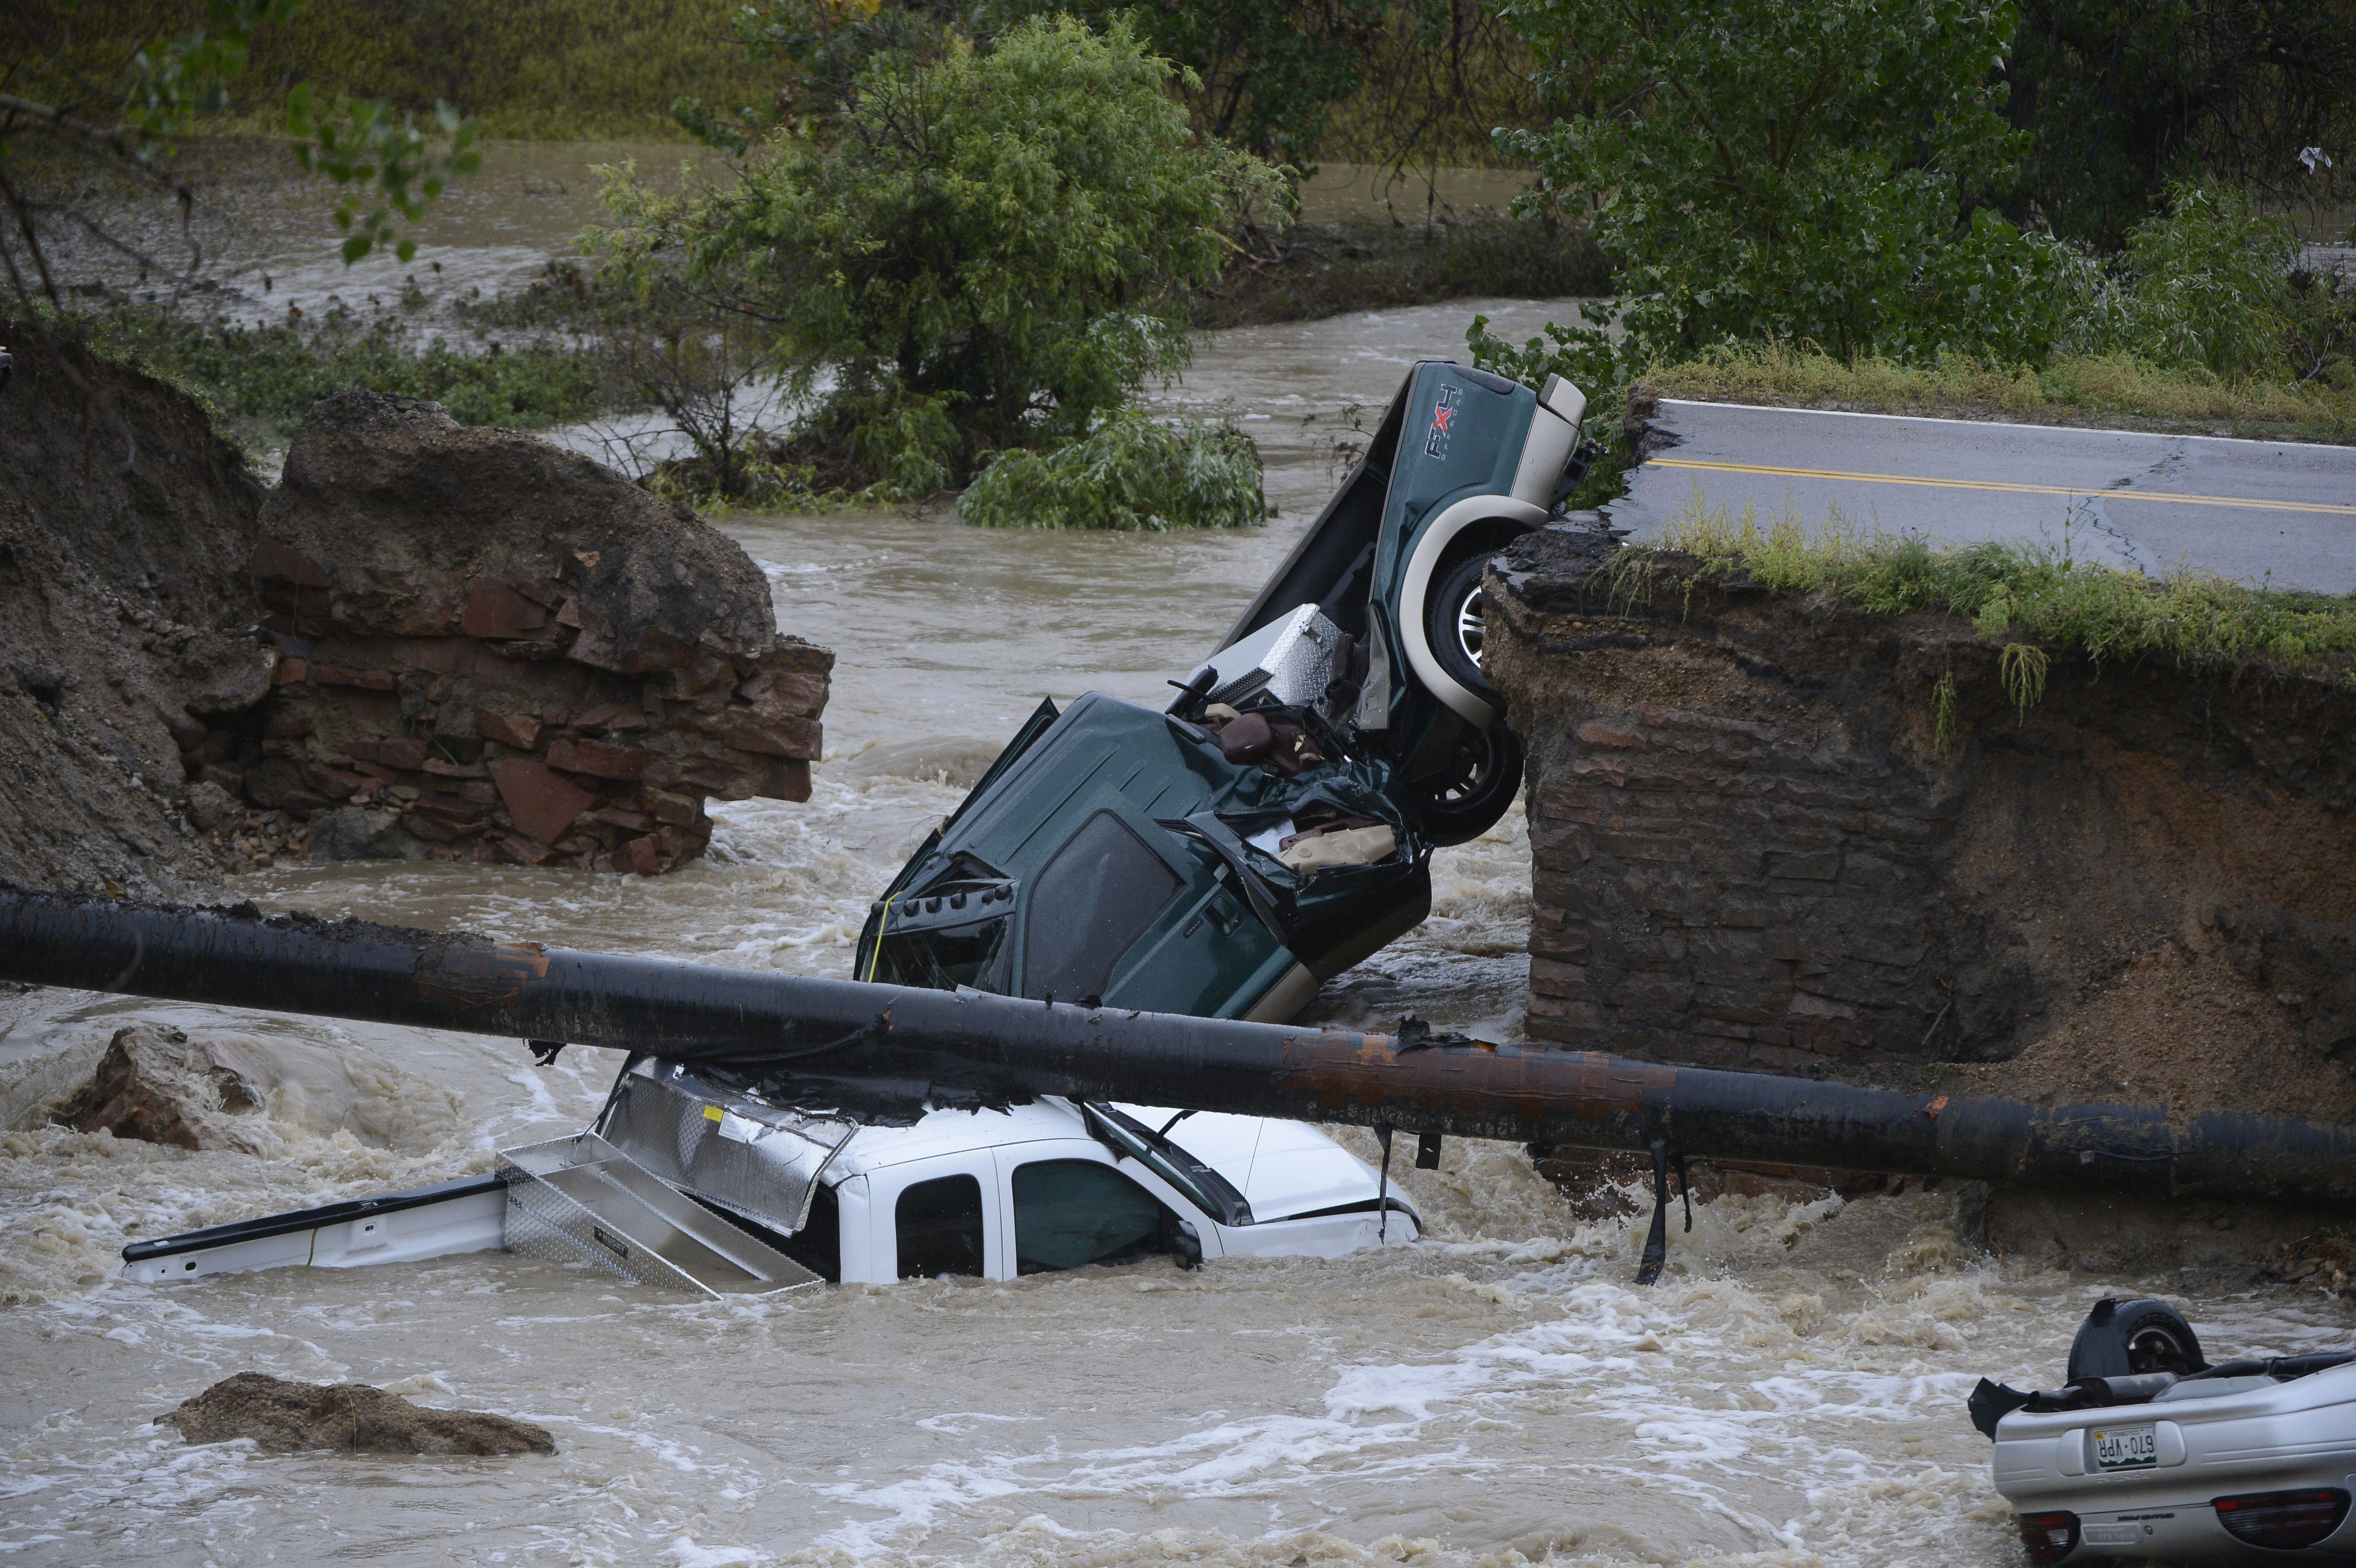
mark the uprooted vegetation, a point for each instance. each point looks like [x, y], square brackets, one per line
[1132, 472]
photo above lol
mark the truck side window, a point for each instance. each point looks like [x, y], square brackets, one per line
[1069, 1214]
[1092, 902]
[939, 1226]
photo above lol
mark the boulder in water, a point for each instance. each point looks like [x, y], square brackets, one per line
[349, 1418]
[154, 1084]
[511, 652]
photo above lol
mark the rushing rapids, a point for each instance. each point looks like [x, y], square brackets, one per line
[1790, 1394]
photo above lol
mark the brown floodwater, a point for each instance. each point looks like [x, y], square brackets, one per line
[1791, 1393]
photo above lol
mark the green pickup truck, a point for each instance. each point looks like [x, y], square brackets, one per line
[1273, 826]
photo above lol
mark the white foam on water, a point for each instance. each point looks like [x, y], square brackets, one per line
[1788, 1396]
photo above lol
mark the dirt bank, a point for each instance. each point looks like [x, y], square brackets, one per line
[125, 524]
[426, 640]
[1749, 852]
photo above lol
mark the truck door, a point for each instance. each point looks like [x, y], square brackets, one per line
[1071, 1210]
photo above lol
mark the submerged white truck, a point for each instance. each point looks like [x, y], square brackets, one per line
[684, 1184]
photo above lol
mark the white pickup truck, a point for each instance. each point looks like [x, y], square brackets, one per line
[684, 1184]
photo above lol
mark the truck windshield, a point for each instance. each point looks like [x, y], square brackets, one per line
[942, 958]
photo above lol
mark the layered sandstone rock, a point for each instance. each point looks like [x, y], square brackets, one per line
[488, 645]
[1757, 846]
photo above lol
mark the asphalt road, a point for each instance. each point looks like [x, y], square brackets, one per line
[2282, 513]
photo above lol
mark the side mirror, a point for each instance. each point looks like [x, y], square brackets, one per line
[1188, 1246]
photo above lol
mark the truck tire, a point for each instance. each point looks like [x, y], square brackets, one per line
[1463, 801]
[2121, 1339]
[1453, 623]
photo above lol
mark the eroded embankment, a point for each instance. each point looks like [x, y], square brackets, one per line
[125, 524]
[427, 640]
[1751, 849]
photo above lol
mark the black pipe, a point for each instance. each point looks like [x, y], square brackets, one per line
[886, 1044]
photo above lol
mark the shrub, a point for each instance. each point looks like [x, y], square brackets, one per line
[1132, 472]
[2203, 285]
[1765, 170]
[995, 238]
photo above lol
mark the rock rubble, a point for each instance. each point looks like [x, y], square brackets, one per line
[351, 1418]
[156, 1086]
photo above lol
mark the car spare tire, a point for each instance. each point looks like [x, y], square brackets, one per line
[2121, 1339]
[1456, 629]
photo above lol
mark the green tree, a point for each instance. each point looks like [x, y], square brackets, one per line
[1787, 169]
[1262, 74]
[2121, 96]
[985, 252]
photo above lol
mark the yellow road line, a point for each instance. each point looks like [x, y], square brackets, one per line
[2347, 511]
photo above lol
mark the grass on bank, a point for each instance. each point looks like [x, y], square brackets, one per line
[2082, 388]
[260, 380]
[2034, 602]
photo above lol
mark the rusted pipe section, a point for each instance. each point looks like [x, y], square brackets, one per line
[887, 1048]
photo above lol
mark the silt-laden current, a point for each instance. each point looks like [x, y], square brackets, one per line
[1791, 1393]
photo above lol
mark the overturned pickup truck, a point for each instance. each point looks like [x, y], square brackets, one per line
[1221, 858]
[1274, 826]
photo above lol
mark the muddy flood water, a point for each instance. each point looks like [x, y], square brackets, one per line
[1791, 1393]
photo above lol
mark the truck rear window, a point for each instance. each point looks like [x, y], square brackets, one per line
[942, 958]
[1096, 898]
[939, 1226]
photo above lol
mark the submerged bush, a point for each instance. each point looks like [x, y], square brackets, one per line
[1132, 472]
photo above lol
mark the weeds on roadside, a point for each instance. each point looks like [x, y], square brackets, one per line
[2036, 602]
[2075, 386]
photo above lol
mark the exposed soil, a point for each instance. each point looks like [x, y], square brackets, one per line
[427, 640]
[1313, 270]
[2180, 1026]
[124, 528]
[1751, 853]
[349, 1418]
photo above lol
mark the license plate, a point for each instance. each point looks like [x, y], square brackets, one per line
[2127, 1447]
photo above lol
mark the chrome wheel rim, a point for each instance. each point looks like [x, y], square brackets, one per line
[1470, 629]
